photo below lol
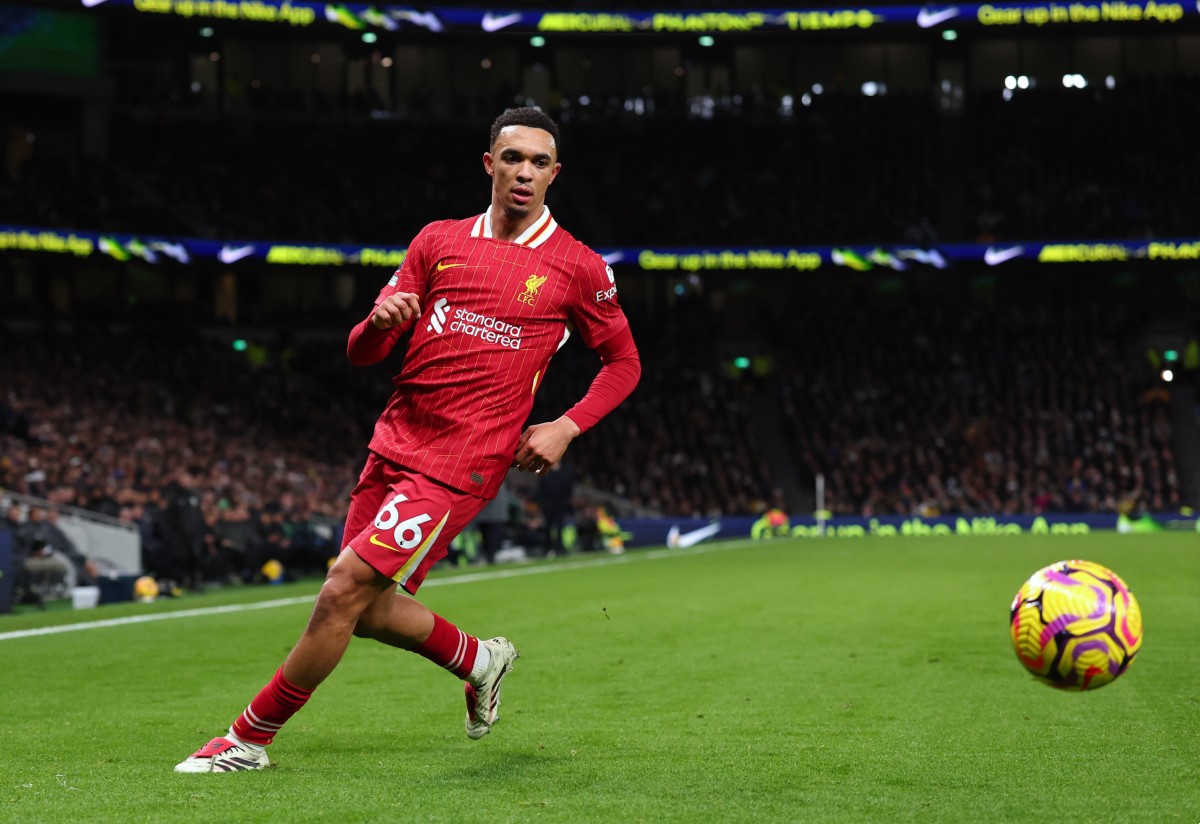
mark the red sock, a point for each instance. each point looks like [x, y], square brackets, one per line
[275, 703]
[450, 647]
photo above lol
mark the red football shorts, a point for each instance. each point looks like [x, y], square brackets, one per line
[402, 522]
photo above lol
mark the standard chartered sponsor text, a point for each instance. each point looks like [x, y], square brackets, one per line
[487, 329]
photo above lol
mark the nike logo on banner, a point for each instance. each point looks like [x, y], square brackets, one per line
[91, 4]
[232, 254]
[173, 250]
[927, 18]
[682, 541]
[993, 256]
[495, 22]
[617, 257]
[441, 267]
[424, 19]
[375, 540]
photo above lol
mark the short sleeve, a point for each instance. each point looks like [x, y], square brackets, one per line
[596, 313]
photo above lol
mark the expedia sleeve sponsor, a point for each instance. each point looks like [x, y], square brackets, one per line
[609, 292]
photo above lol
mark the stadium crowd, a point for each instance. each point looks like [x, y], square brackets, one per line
[954, 409]
[938, 407]
[137, 428]
[133, 426]
[686, 444]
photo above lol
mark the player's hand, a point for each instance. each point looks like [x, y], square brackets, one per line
[395, 310]
[543, 444]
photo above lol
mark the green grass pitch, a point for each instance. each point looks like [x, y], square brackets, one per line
[845, 680]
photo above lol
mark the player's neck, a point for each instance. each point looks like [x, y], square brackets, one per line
[506, 228]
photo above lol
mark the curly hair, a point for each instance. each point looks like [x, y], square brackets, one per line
[524, 116]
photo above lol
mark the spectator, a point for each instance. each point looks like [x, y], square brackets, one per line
[182, 529]
[85, 569]
[493, 521]
[43, 573]
[554, 494]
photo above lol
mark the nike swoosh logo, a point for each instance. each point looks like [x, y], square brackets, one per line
[441, 267]
[91, 4]
[993, 256]
[927, 18]
[686, 539]
[617, 257]
[375, 540]
[173, 250]
[232, 254]
[495, 22]
[424, 19]
[931, 257]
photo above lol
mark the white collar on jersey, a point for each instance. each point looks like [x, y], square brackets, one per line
[537, 233]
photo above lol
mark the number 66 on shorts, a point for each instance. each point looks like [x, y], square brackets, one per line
[402, 523]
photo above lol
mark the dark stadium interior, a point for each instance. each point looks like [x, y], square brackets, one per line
[917, 393]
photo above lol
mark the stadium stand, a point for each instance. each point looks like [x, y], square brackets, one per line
[959, 409]
[317, 179]
[908, 392]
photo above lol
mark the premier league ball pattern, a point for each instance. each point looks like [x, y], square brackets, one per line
[1075, 625]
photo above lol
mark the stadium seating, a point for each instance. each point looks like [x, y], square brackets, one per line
[1031, 403]
[955, 408]
[847, 168]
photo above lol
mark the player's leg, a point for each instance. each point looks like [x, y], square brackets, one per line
[401, 621]
[396, 619]
[410, 534]
[350, 588]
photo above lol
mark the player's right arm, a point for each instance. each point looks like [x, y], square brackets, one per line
[373, 338]
[396, 308]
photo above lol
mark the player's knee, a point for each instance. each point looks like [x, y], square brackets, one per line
[342, 598]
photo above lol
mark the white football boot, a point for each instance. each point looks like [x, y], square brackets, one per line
[483, 700]
[224, 755]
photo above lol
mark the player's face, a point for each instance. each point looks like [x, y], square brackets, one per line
[523, 164]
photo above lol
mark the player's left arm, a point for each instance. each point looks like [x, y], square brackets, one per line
[606, 330]
[543, 444]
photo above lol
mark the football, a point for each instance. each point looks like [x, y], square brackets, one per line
[145, 589]
[1075, 625]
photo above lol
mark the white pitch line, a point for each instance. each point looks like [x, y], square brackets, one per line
[159, 616]
[491, 575]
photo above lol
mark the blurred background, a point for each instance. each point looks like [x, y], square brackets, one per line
[882, 262]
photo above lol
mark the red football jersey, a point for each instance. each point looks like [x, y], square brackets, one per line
[493, 313]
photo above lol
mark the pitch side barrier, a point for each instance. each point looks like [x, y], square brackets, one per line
[301, 14]
[167, 251]
[686, 532]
